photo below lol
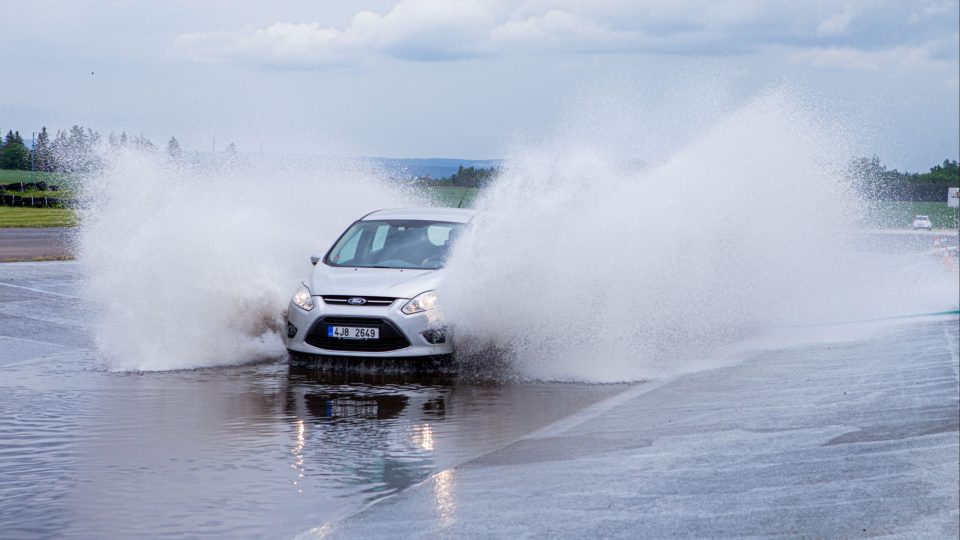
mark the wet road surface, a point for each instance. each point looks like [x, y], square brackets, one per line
[256, 451]
[836, 440]
[844, 438]
[41, 243]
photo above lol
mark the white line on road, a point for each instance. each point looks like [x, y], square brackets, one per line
[595, 410]
[41, 342]
[909, 232]
[40, 291]
[954, 352]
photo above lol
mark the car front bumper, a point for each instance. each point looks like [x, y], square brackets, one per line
[401, 335]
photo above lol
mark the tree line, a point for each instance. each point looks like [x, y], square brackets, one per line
[464, 177]
[870, 177]
[75, 150]
[875, 181]
[79, 149]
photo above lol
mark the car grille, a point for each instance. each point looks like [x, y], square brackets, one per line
[340, 300]
[391, 338]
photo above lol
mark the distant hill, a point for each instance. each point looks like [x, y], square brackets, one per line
[433, 167]
[398, 168]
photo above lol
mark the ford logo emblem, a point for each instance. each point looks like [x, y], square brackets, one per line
[356, 301]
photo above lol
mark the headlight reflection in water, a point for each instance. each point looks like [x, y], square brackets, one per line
[443, 493]
[298, 454]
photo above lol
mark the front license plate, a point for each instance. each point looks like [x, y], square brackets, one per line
[353, 332]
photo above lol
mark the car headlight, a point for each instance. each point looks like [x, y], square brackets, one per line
[302, 298]
[420, 303]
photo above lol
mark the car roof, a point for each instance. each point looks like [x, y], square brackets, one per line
[455, 215]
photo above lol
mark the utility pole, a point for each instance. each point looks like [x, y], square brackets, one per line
[33, 154]
[953, 201]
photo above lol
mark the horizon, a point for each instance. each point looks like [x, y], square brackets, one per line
[478, 78]
[452, 162]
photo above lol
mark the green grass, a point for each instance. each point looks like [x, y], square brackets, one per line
[59, 194]
[8, 176]
[36, 217]
[450, 196]
[899, 214]
[65, 182]
[880, 214]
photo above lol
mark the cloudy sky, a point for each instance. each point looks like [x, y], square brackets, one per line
[463, 78]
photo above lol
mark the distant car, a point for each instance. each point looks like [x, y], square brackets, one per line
[922, 222]
[373, 295]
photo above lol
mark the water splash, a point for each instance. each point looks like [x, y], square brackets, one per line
[587, 266]
[191, 266]
[628, 243]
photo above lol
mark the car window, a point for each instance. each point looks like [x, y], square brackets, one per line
[417, 244]
[349, 249]
[438, 234]
[379, 238]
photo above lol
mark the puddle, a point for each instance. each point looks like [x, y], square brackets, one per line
[262, 450]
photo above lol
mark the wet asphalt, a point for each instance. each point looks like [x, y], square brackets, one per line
[849, 438]
[262, 450]
[36, 243]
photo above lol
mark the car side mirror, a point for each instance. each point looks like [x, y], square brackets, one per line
[314, 260]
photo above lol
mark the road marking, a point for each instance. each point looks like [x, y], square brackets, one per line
[954, 353]
[877, 319]
[911, 232]
[42, 342]
[40, 291]
[47, 350]
[595, 410]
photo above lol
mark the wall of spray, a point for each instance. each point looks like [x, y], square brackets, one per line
[193, 266]
[637, 239]
[586, 266]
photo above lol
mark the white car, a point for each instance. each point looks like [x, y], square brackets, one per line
[922, 222]
[372, 296]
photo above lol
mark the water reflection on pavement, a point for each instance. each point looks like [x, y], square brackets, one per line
[262, 450]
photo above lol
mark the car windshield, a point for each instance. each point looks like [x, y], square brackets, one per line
[417, 244]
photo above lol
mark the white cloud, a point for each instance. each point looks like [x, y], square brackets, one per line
[892, 60]
[837, 23]
[931, 10]
[278, 43]
[450, 29]
[429, 30]
[560, 30]
[423, 29]
[416, 29]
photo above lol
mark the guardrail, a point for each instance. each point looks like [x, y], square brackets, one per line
[28, 186]
[33, 202]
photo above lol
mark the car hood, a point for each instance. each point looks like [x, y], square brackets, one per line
[392, 282]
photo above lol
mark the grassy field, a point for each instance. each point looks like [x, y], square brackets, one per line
[64, 182]
[881, 214]
[59, 194]
[36, 217]
[8, 177]
[899, 214]
[451, 196]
